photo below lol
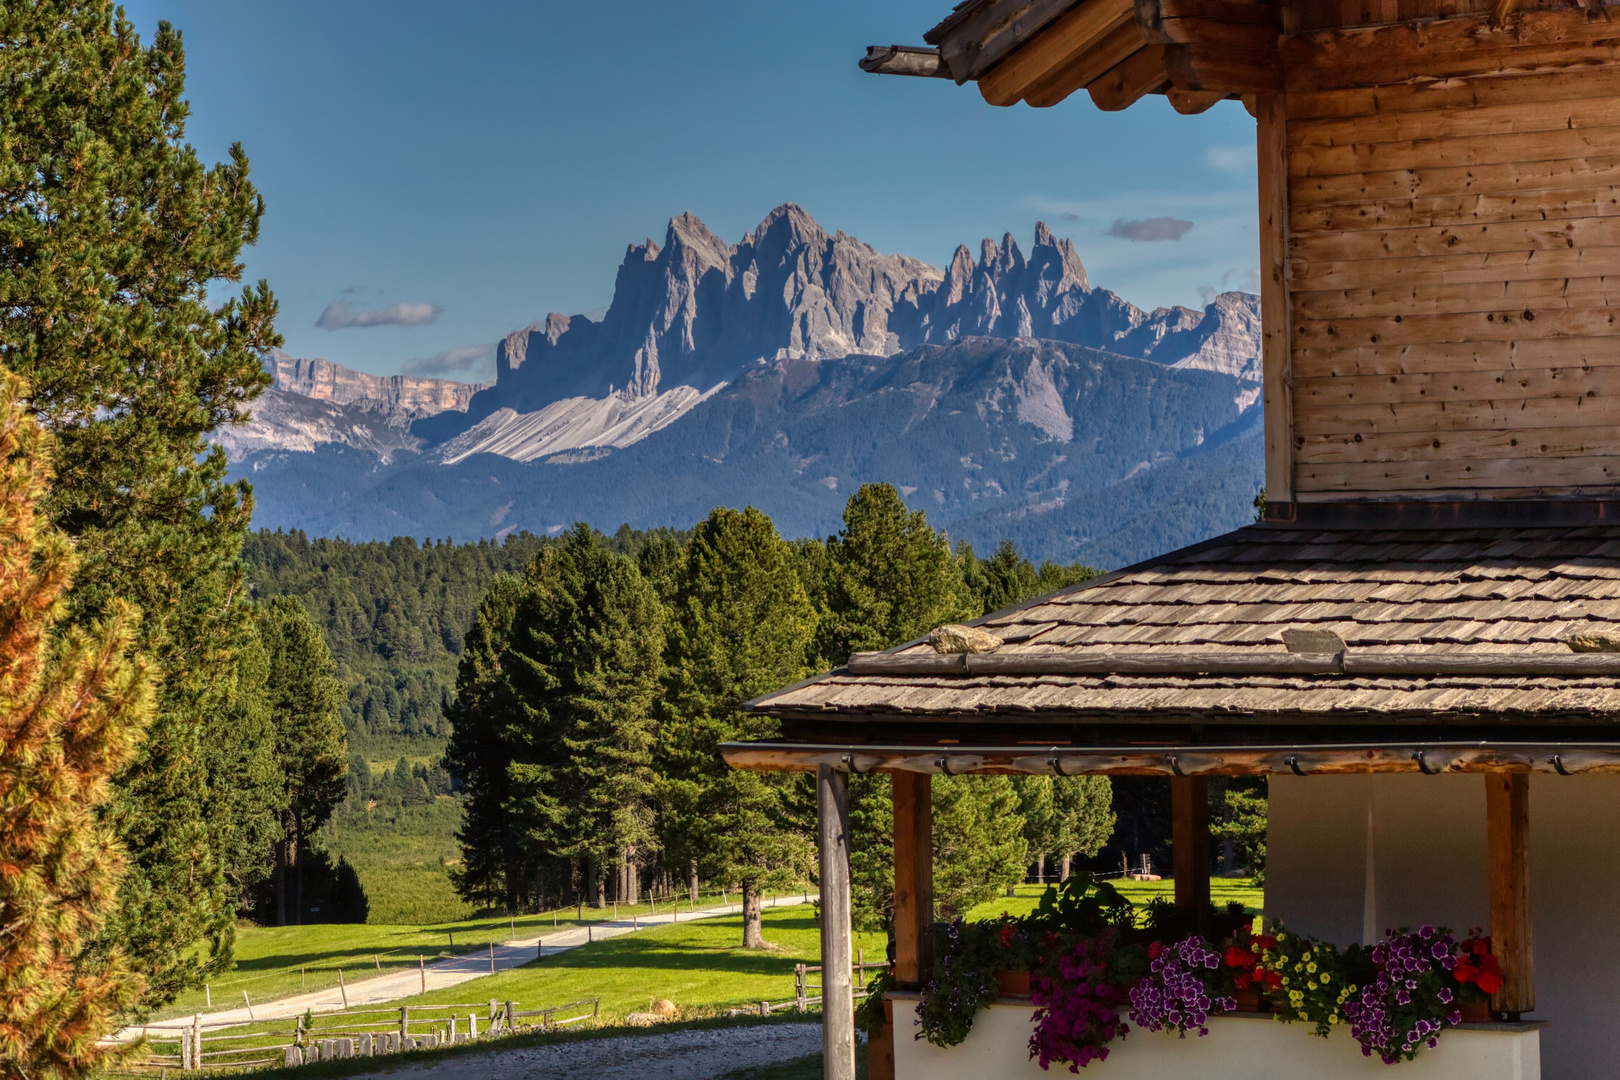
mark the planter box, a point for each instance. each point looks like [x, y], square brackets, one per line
[1238, 1047]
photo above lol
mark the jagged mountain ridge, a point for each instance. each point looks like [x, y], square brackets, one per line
[696, 311]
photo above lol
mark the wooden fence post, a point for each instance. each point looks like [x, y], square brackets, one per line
[421, 965]
[492, 958]
[196, 1041]
[404, 1025]
[800, 993]
[343, 990]
[249, 1004]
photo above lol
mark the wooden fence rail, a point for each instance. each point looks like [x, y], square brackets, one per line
[211, 1045]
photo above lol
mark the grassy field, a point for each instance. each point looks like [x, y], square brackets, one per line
[278, 962]
[700, 966]
[1222, 891]
[402, 855]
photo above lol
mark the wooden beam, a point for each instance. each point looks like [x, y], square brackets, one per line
[1087, 67]
[1507, 831]
[1193, 102]
[1189, 846]
[1448, 48]
[1131, 80]
[1230, 70]
[837, 952]
[913, 878]
[1276, 354]
[1076, 31]
[1209, 22]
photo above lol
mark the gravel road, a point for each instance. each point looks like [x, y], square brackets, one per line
[674, 1055]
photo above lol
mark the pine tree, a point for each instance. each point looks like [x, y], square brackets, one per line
[890, 577]
[741, 623]
[72, 707]
[979, 843]
[303, 698]
[112, 234]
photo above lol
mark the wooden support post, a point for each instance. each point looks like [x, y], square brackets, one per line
[1189, 837]
[1507, 836]
[913, 878]
[837, 996]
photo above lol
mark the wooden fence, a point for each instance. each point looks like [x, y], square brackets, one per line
[199, 1045]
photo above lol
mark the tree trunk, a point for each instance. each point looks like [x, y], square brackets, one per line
[281, 871]
[1012, 888]
[593, 883]
[1067, 867]
[1040, 870]
[298, 874]
[692, 881]
[753, 924]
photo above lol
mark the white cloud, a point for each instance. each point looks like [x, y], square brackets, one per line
[1232, 159]
[451, 361]
[342, 315]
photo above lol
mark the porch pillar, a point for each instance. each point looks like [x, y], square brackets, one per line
[1507, 835]
[913, 878]
[837, 994]
[1189, 846]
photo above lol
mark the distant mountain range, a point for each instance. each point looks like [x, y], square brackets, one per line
[1006, 396]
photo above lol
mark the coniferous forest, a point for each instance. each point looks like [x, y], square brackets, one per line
[685, 626]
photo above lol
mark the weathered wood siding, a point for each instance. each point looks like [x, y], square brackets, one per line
[1454, 284]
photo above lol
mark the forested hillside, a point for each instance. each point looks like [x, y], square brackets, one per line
[393, 613]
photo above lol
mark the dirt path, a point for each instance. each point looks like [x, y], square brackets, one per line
[674, 1055]
[443, 973]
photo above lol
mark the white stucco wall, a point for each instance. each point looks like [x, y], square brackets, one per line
[1236, 1048]
[1428, 838]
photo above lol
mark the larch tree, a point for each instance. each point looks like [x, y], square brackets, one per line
[72, 709]
[304, 698]
[114, 236]
[740, 626]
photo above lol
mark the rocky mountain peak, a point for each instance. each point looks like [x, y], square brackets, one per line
[697, 311]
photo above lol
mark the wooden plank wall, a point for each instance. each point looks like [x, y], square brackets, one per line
[1454, 268]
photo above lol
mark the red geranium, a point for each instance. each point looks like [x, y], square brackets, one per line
[1477, 965]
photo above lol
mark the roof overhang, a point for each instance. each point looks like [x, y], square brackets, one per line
[1304, 759]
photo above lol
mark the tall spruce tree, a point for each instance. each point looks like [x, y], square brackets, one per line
[741, 623]
[555, 726]
[304, 699]
[889, 577]
[487, 716]
[72, 706]
[112, 233]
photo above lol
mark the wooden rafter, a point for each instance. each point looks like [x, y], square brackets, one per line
[1086, 68]
[1131, 80]
[1193, 102]
[1072, 34]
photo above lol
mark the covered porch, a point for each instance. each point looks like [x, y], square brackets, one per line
[1415, 695]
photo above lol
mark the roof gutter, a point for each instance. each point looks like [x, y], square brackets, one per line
[916, 60]
[1328, 759]
[1379, 664]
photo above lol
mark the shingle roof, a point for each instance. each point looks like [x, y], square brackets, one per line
[1409, 591]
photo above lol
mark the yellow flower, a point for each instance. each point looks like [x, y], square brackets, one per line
[1311, 968]
[1285, 980]
[1325, 976]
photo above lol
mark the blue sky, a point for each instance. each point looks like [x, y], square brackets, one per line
[444, 174]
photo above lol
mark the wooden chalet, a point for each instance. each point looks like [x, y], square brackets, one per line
[1420, 643]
